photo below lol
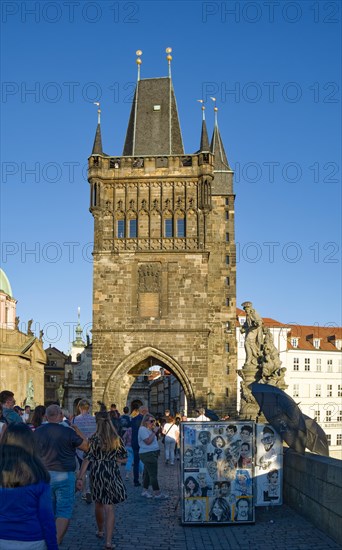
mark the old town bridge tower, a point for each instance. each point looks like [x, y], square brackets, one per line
[164, 287]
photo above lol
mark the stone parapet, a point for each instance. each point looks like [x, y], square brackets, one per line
[313, 487]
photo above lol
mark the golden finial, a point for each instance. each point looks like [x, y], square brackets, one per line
[203, 107]
[169, 59]
[98, 112]
[138, 61]
[215, 108]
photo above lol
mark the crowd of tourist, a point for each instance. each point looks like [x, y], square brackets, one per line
[46, 454]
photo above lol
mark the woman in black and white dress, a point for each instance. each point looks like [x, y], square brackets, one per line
[106, 452]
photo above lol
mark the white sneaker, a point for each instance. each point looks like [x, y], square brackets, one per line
[161, 496]
[146, 494]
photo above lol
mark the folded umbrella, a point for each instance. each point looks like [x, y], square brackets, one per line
[283, 413]
[211, 414]
[316, 439]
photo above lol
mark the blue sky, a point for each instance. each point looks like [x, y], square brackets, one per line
[275, 71]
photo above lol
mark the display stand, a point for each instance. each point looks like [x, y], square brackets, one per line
[217, 472]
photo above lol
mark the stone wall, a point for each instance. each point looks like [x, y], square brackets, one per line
[313, 487]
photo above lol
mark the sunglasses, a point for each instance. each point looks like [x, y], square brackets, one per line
[151, 421]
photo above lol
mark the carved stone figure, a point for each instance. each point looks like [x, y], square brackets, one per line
[254, 336]
[270, 371]
[29, 327]
[16, 323]
[30, 394]
[149, 278]
[60, 394]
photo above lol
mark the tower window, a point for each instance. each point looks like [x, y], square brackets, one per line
[181, 227]
[133, 229]
[227, 237]
[227, 260]
[227, 215]
[227, 201]
[227, 302]
[121, 229]
[168, 228]
[227, 281]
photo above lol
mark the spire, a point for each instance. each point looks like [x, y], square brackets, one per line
[97, 147]
[78, 341]
[216, 146]
[223, 175]
[204, 137]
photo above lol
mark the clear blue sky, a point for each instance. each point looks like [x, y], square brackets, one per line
[275, 72]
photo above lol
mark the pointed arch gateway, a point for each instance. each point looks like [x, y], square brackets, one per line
[122, 376]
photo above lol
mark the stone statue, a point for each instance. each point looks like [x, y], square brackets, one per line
[270, 364]
[30, 394]
[29, 327]
[60, 394]
[16, 323]
[252, 327]
[41, 334]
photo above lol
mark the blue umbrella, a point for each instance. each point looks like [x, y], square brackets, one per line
[283, 413]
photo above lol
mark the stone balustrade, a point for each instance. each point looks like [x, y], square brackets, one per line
[313, 487]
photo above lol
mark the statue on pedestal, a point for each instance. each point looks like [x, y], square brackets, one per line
[30, 394]
[29, 327]
[60, 394]
[252, 327]
[270, 364]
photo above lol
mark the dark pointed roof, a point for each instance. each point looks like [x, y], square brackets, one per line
[216, 146]
[223, 175]
[204, 146]
[153, 127]
[97, 147]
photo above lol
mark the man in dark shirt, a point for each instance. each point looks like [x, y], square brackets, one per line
[135, 425]
[56, 446]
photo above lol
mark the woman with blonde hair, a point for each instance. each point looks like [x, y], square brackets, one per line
[106, 451]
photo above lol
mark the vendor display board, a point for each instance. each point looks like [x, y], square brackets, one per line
[268, 466]
[217, 472]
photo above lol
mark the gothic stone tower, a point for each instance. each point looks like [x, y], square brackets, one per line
[164, 290]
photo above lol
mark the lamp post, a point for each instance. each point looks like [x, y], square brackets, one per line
[210, 397]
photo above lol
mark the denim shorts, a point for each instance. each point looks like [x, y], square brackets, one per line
[63, 493]
[22, 545]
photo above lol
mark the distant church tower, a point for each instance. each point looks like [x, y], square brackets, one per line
[164, 256]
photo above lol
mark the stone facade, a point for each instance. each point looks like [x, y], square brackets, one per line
[164, 273]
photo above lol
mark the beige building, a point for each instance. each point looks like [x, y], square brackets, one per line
[22, 357]
[164, 280]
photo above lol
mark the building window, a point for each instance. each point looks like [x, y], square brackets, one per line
[296, 390]
[296, 363]
[133, 228]
[294, 342]
[339, 416]
[168, 228]
[227, 237]
[181, 228]
[329, 390]
[328, 416]
[329, 439]
[339, 439]
[317, 416]
[316, 343]
[121, 229]
[227, 281]
[227, 260]
[339, 390]
[227, 347]
[318, 364]
[227, 201]
[339, 366]
[227, 302]
[329, 365]
[227, 369]
[227, 392]
[318, 390]
[306, 364]
[227, 215]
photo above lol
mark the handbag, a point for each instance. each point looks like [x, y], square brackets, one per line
[164, 435]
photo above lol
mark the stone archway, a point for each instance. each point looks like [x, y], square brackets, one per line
[122, 376]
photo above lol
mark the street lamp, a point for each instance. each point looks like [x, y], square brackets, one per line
[210, 397]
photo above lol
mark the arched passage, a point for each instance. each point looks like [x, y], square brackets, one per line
[123, 375]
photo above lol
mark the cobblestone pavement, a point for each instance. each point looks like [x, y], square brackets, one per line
[146, 524]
